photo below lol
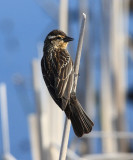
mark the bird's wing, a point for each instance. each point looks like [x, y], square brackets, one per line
[49, 79]
[58, 75]
[64, 68]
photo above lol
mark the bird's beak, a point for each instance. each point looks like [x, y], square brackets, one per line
[67, 39]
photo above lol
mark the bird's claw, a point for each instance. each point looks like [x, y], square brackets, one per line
[76, 75]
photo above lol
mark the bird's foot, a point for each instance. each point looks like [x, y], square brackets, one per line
[76, 75]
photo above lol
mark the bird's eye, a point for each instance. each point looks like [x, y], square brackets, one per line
[59, 38]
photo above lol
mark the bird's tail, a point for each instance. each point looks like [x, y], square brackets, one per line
[80, 121]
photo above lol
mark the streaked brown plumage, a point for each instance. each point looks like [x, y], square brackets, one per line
[57, 70]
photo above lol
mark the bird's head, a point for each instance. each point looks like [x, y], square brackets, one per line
[58, 39]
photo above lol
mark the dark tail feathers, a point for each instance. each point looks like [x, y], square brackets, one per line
[80, 121]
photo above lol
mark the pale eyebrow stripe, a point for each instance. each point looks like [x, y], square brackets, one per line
[51, 37]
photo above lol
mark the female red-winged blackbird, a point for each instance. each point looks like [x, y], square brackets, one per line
[57, 70]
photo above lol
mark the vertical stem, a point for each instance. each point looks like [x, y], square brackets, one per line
[65, 138]
[4, 118]
[109, 144]
[34, 137]
[63, 15]
[36, 83]
[78, 54]
[66, 131]
[119, 30]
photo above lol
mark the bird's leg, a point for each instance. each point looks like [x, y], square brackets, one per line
[75, 75]
[73, 95]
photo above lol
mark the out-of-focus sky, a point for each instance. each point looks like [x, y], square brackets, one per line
[22, 26]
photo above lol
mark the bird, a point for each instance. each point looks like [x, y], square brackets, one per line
[58, 74]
